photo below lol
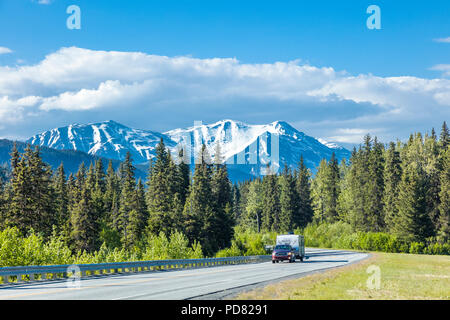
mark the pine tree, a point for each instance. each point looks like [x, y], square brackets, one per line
[413, 222]
[271, 203]
[111, 197]
[444, 195]
[375, 187]
[198, 213]
[332, 182]
[127, 201]
[32, 198]
[237, 202]
[325, 190]
[83, 220]
[392, 177]
[254, 206]
[432, 162]
[62, 200]
[444, 139]
[354, 199]
[288, 200]
[138, 217]
[161, 185]
[223, 220]
[318, 192]
[304, 213]
[183, 175]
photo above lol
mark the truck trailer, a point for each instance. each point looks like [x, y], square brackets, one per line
[297, 242]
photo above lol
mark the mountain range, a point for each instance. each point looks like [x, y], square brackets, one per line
[247, 149]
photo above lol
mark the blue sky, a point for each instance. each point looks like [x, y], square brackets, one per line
[329, 36]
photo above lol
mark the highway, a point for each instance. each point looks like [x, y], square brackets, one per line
[201, 283]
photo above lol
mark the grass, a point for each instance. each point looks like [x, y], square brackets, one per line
[403, 276]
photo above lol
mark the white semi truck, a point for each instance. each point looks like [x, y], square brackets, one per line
[297, 242]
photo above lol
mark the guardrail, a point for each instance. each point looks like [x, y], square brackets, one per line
[42, 273]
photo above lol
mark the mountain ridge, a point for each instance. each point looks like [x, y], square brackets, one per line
[246, 148]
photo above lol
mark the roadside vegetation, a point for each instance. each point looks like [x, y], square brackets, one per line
[403, 276]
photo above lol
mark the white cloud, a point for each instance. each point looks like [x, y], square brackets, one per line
[150, 90]
[443, 40]
[43, 1]
[4, 50]
[444, 68]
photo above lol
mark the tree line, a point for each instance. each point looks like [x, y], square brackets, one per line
[399, 188]
[95, 207]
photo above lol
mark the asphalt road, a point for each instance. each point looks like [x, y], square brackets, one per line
[202, 283]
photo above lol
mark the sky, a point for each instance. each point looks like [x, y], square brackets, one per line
[160, 65]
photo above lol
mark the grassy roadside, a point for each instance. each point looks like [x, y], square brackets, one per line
[403, 276]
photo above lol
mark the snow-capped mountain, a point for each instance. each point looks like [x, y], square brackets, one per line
[107, 139]
[247, 149]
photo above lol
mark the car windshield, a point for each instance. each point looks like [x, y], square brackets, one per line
[283, 247]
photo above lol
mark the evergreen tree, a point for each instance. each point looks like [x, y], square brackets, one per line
[223, 220]
[160, 195]
[127, 201]
[271, 203]
[375, 187]
[138, 217]
[83, 220]
[288, 200]
[198, 213]
[254, 206]
[32, 198]
[304, 213]
[392, 177]
[444, 139]
[413, 222]
[62, 200]
[111, 197]
[325, 191]
[444, 206]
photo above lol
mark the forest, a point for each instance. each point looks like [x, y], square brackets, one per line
[396, 194]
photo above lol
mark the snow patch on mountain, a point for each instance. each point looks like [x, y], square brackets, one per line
[248, 149]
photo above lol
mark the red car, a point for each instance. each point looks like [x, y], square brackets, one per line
[283, 252]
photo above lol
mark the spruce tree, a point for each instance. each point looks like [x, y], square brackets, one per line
[288, 200]
[198, 213]
[325, 190]
[304, 213]
[254, 206]
[223, 219]
[84, 223]
[444, 138]
[375, 187]
[392, 176]
[127, 201]
[62, 200]
[271, 203]
[413, 222]
[444, 195]
[161, 186]
[138, 217]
